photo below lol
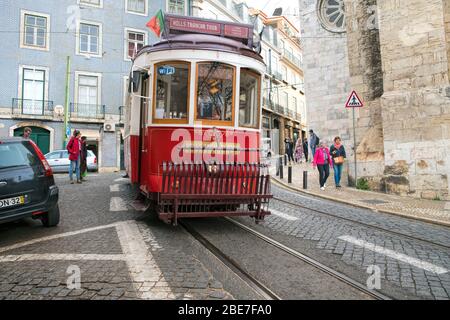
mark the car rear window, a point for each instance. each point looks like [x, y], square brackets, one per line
[16, 155]
[91, 154]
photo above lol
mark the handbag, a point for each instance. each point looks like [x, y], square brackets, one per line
[339, 160]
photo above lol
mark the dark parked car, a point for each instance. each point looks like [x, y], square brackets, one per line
[27, 186]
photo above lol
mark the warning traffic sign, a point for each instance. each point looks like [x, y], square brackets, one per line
[354, 101]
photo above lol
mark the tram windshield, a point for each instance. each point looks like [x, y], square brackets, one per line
[215, 91]
[172, 91]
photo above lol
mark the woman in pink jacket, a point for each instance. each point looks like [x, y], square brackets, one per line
[74, 149]
[323, 161]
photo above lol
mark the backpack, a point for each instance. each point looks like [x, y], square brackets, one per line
[317, 140]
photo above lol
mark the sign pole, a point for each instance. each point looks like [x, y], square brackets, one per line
[354, 148]
[354, 102]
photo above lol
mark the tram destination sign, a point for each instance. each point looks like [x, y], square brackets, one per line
[193, 25]
[176, 24]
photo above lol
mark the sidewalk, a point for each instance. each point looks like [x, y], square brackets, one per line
[437, 212]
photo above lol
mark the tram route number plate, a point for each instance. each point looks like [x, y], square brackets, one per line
[166, 70]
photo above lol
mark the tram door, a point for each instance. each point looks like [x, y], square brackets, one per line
[144, 151]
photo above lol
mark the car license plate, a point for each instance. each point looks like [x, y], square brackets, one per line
[12, 202]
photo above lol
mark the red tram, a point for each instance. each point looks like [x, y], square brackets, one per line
[193, 120]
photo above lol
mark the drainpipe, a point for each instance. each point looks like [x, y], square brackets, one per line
[66, 104]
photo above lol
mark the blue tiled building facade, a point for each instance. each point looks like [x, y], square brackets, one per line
[99, 36]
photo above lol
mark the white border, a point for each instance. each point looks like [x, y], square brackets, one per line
[185, 7]
[100, 39]
[125, 36]
[137, 13]
[22, 30]
[82, 4]
[46, 80]
[90, 74]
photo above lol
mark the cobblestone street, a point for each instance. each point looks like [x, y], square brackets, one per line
[121, 252]
[360, 238]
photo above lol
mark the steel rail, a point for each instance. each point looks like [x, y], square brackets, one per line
[254, 283]
[362, 223]
[336, 274]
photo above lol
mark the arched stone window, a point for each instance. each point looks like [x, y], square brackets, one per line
[332, 15]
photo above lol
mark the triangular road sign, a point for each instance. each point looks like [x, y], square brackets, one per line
[354, 101]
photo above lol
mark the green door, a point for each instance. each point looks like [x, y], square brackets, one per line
[39, 135]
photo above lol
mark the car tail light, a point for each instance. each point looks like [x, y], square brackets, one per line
[95, 160]
[48, 169]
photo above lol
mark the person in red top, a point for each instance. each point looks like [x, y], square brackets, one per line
[323, 161]
[74, 149]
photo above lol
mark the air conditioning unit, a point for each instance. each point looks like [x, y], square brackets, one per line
[109, 127]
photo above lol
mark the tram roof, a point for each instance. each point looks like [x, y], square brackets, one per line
[201, 42]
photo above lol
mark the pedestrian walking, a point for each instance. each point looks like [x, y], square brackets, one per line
[305, 149]
[314, 142]
[299, 150]
[323, 161]
[74, 149]
[338, 154]
[27, 132]
[289, 149]
[83, 158]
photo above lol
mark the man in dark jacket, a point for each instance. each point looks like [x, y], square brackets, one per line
[83, 164]
[289, 149]
[305, 148]
[313, 142]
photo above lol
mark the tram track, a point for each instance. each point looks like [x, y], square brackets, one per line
[254, 283]
[372, 226]
[257, 285]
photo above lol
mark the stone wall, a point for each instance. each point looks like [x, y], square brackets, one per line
[366, 78]
[327, 82]
[415, 103]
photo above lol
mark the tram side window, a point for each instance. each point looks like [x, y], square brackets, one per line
[215, 91]
[172, 91]
[249, 99]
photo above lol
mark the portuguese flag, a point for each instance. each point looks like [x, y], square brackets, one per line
[156, 24]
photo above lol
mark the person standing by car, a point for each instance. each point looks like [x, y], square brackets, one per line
[337, 151]
[313, 142]
[323, 161]
[26, 133]
[305, 149]
[83, 158]
[74, 149]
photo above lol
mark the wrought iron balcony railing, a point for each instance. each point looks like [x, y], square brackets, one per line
[87, 111]
[288, 55]
[31, 107]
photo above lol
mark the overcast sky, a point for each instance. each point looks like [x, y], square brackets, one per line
[290, 7]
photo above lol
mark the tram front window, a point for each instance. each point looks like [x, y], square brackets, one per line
[172, 91]
[249, 99]
[215, 90]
